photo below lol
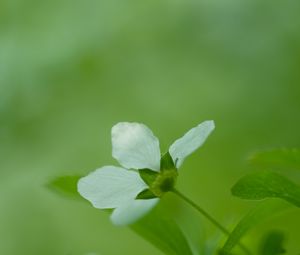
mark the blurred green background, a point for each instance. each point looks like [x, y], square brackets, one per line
[70, 70]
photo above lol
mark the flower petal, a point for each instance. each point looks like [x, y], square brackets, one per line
[135, 146]
[110, 186]
[134, 210]
[190, 142]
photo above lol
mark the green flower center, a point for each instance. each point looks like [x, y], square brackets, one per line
[159, 182]
[164, 182]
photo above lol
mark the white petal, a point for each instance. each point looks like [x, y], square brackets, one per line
[190, 142]
[131, 212]
[110, 186]
[135, 146]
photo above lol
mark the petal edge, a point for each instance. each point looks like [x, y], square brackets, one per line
[190, 142]
[132, 211]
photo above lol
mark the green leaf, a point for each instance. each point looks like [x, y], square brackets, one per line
[163, 233]
[166, 162]
[273, 244]
[278, 158]
[257, 215]
[148, 176]
[146, 194]
[261, 185]
[65, 186]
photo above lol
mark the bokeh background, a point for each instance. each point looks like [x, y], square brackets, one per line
[70, 70]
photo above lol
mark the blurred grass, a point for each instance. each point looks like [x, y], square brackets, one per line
[69, 70]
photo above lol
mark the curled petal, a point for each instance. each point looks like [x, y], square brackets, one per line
[190, 142]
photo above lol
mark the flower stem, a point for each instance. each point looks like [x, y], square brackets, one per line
[209, 217]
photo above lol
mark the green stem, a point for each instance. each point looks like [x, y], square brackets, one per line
[209, 217]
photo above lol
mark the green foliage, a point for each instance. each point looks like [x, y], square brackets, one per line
[163, 233]
[272, 244]
[145, 194]
[261, 185]
[166, 162]
[65, 185]
[160, 231]
[71, 69]
[277, 158]
[148, 176]
[260, 213]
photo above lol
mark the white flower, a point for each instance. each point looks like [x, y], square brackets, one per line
[135, 188]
